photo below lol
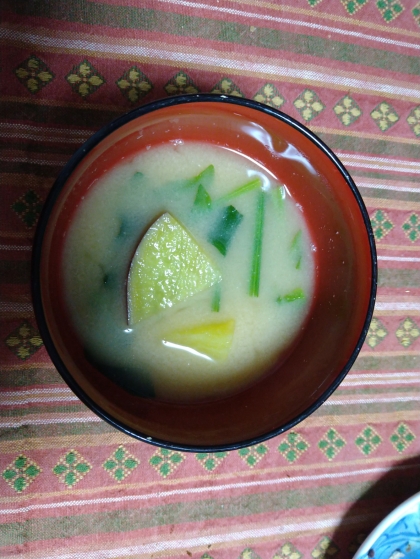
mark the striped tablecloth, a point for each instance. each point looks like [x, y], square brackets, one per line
[71, 486]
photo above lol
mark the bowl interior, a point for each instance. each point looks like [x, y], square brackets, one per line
[343, 291]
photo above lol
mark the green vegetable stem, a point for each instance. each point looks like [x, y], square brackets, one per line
[225, 228]
[205, 178]
[296, 249]
[254, 286]
[215, 303]
[279, 197]
[294, 295]
[247, 187]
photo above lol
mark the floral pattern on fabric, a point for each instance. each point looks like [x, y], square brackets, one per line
[84, 79]
[24, 341]
[309, 105]
[134, 84]
[34, 74]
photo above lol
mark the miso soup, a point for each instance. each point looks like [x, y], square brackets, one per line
[188, 272]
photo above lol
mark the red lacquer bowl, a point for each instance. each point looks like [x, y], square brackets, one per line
[345, 286]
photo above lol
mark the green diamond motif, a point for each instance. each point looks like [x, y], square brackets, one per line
[21, 473]
[227, 87]
[347, 110]
[376, 333]
[134, 85]
[28, 207]
[325, 548]
[368, 440]
[293, 446]
[314, 3]
[180, 83]
[165, 461]
[390, 9]
[407, 332]
[381, 224]
[288, 551]
[269, 95]
[384, 116]
[84, 79]
[331, 444]
[416, 13]
[249, 553]
[120, 464]
[211, 460]
[34, 74]
[71, 468]
[206, 556]
[402, 437]
[309, 105]
[413, 118]
[352, 6]
[411, 227]
[24, 341]
[251, 455]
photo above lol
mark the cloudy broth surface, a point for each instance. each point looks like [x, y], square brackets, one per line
[256, 271]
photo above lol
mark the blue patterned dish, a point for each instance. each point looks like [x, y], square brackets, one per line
[397, 536]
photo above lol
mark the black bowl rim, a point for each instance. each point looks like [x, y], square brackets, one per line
[37, 250]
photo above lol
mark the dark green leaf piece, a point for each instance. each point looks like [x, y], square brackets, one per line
[295, 295]
[202, 200]
[254, 286]
[125, 228]
[110, 280]
[136, 180]
[225, 229]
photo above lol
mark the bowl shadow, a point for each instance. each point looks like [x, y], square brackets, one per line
[374, 504]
